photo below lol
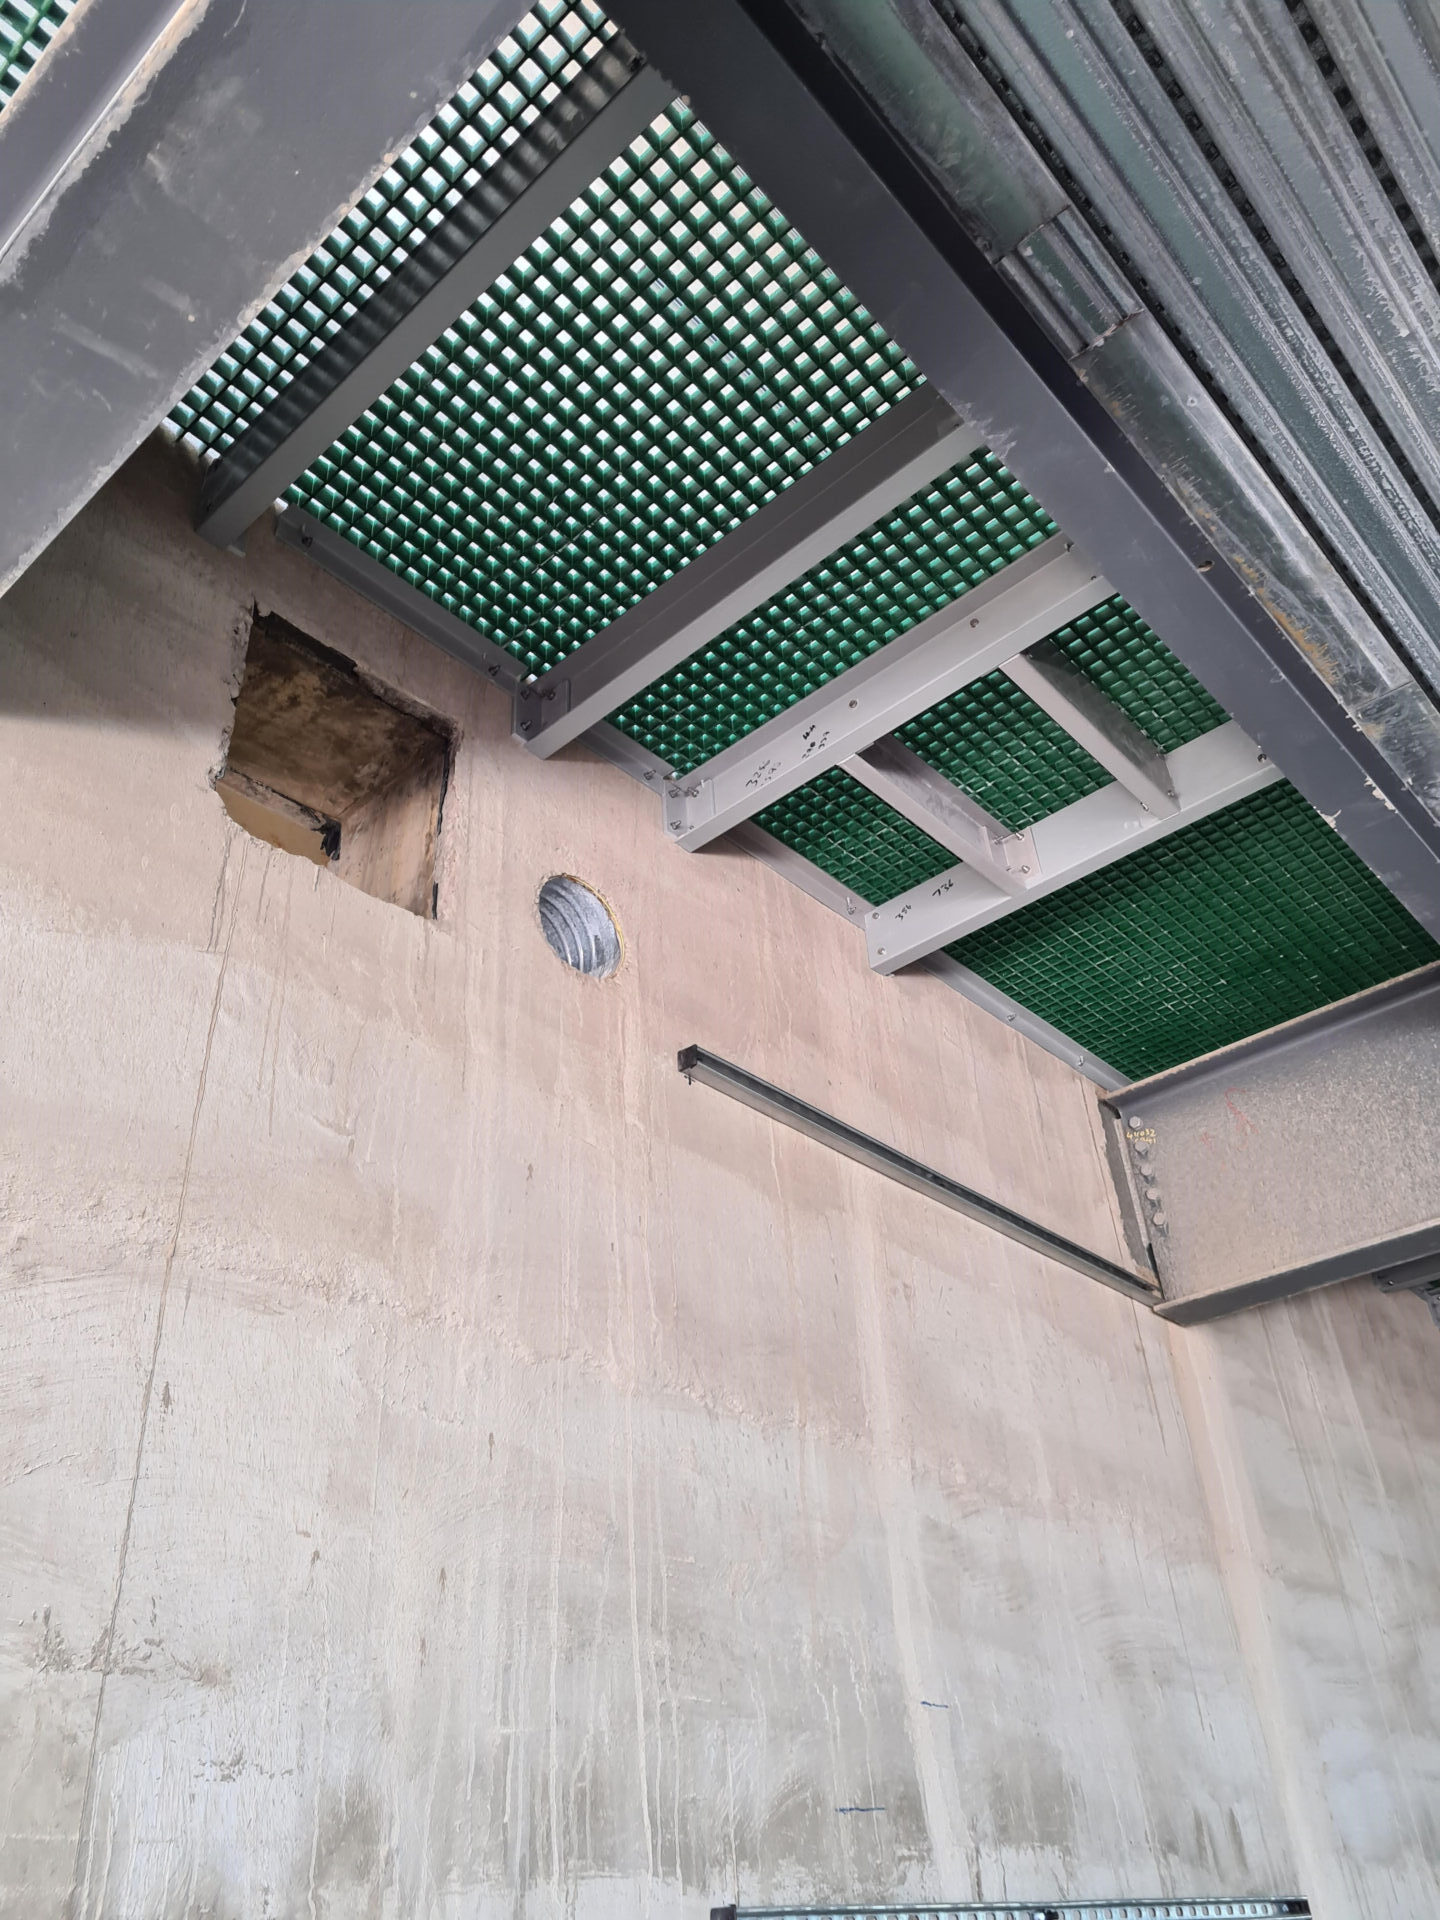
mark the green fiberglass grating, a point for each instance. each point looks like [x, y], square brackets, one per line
[855, 837]
[994, 743]
[663, 361]
[552, 44]
[1228, 927]
[26, 29]
[944, 540]
[1112, 646]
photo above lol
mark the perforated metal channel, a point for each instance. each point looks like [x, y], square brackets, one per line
[26, 29]
[1239, 1909]
[471, 131]
[1230, 926]
[943, 541]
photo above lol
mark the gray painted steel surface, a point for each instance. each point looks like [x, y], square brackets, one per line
[1303, 1156]
[971, 637]
[182, 207]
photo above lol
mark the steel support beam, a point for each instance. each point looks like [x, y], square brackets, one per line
[393, 595]
[978, 990]
[165, 222]
[696, 1064]
[963, 641]
[376, 583]
[385, 589]
[1091, 718]
[1212, 772]
[906, 449]
[1294, 1159]
[1360, 1261]
[914, 789]
[781, 101]
[102, 54]
[548, 166]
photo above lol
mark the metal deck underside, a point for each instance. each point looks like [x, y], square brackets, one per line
[1140, 752]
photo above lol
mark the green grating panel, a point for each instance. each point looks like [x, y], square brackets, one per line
[855, 837]
[553, 43]
[1230, 926]
[944, 540]
[657, 366]
[26, 29]
[1113, 646]
[994, 743]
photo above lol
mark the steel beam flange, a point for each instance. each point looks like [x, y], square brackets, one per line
[1011, 610]
[877, 470]
[1215, 771]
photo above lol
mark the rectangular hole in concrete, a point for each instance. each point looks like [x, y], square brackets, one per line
[323, 765]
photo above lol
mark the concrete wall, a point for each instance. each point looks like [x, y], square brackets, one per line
[1317, 1428]
[450, 1467]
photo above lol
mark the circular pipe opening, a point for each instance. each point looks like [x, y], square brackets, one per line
[578, 926]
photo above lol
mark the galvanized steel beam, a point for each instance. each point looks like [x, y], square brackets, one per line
[1294, 1159]
[1289, 144]
[1215, 771]
[1078, 70]
[874, 472]
[548, 165]
[1339, 712]
[162, 224]
[1093, 720]
[414, 609]
[951, 818]
[969, 638]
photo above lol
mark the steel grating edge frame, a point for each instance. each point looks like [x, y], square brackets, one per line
[1239, 1906]
[414, 609]
[1338, 1014]
[795, 119]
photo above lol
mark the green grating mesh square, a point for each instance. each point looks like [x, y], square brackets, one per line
[1112, 646]
[665, 359]
[553, 43]
[994, 743]
[1232, 925]
[855, 837]
[944, 540]
[26, 29]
